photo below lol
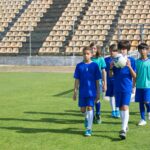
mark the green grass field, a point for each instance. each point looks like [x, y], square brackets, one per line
[37, 113]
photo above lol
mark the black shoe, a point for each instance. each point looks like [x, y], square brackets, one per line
[98, 119]
[94, 119]
[122, 134]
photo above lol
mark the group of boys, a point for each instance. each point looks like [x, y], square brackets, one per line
[120, 84]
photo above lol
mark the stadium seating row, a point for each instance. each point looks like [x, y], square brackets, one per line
[81, 22]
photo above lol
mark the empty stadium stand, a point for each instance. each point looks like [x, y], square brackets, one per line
[64, 27]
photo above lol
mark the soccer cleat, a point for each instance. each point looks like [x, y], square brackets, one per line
[117, 114]
[142, 122]
[122, 134]
[88, 133]
[113, 114]
[85, 123]
[98, 119]
[94, 119]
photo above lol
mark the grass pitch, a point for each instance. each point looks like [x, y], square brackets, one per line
[37, 113]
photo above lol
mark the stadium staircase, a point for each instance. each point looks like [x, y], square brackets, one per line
[114, 24]
[46, 24]
[10, 24]
[76, 24]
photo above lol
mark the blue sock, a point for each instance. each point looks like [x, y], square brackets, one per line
[142, 110]
[98, 107]
[148, 107]
[93, 112]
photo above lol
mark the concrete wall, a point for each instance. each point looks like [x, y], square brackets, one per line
[41, 60]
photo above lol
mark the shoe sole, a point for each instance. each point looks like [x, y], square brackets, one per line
[87, 135]
[122, 137]
[141, 124]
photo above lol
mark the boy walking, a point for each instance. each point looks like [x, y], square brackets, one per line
[97, 58]
[143, 82]
[87, 77]
[123, 85]
[113, 50]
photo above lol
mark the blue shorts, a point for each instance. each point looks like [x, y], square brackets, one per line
[110, 90]
[142, 95]
[88, 101]
[122, 98]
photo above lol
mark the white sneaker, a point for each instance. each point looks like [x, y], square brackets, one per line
[142, 122]
[148, 116]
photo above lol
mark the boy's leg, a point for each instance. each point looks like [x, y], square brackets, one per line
[97, 116]
[142, 110]
[125, 117]
[98, 107]
[117, 112]
[89, 108]
[125, 120]
[124, 107]
[142, 113]
[148, 110]
[90, 117]
[84, 112]
[113, 106]
[88, 131]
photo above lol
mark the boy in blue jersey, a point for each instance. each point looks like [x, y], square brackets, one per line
[143, 82]
[87, 77]
[110, 82]
[97, 58]
[123, 85]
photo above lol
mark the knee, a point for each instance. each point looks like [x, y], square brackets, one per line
[83, 109]
[89, 108]
[124, 108]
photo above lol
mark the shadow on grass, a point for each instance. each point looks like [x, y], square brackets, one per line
[109, 137]
[74, 111]
[52, 113]
[64, 93]
[45, 120]
[57, 131]
[39, 130]
[72, 131]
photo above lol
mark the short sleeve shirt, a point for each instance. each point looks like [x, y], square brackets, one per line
[87, 74]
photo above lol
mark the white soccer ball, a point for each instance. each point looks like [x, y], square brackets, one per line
[120, 61]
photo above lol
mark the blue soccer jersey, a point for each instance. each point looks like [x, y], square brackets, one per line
[123, 78]
[87, 74]
[108, 60]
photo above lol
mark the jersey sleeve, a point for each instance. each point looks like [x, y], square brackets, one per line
[133, 64]
[98, 74]
[76, 73]
[103, 64]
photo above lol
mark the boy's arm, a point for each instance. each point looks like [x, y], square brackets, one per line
[133, 74]
[76, 86]
[104, 81]
[97, 91]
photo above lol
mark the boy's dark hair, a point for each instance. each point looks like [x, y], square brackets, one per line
[87, 48]
[93, 44]
[98, 47]
[98, 52]
[143, 46]
[124, 44]
[113, 47]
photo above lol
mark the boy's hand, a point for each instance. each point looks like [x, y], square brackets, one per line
[74, 96]
[133, 90]
[111, 64]
[97, 98]
[104, 88]
[128, 63]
